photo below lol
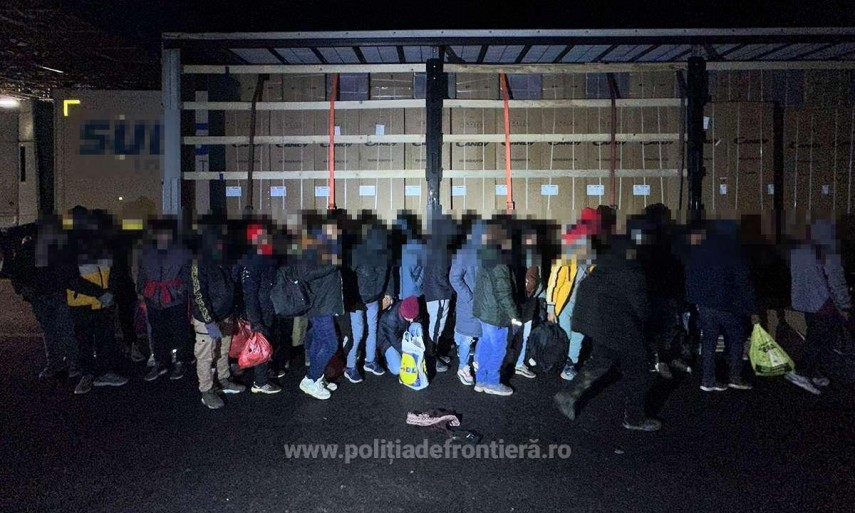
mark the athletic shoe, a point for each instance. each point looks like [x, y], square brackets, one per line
[566, 404]
[497, 389]
[441, 366]
[524, 371]
[664, 371]
[155, 372]
[681, 366]
[50, 372]
[352, 375]
[275, 374]
[212, 400]
[177, 371]
[821, 382]
[135, 355]
[569, 372]
[151, 361]
[801, 381]
[465, 376]
[739, 384]
[329, 385]
[374, 368]
[315, 389]
[85, 385]
[110, 379]
[269, 388]
[74, 372]
[648, 425]
[713, 387]
[230, 387]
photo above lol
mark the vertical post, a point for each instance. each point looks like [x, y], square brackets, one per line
[171, 160]
[697, 97]
[778, 168]
[436, 91]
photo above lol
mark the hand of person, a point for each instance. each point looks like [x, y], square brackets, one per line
[214, 331]
[386, 302]
[106, 299]
[755, 319]
[516, 322]
[551, 317]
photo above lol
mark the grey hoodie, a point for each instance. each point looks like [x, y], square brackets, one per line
[817, 271]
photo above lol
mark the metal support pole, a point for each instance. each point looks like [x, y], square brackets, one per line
[697, 98]
[778, 168]
[436, 91]
[171, 160]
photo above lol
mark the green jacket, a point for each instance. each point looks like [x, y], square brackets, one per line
[494, 296]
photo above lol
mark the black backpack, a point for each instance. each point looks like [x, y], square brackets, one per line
[290, 296]
[547, 347]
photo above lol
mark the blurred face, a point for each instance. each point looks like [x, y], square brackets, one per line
[697, 237]
[162, 239]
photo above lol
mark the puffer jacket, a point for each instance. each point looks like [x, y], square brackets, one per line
[257, 273]
[463, 276]
[494, 292]
[391, 328]
[323, 281]
[161, 274]
[369, 271]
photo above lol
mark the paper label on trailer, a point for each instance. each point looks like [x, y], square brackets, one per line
[707, 122]
[367, 190]
[641, 190]
[337, 130]
[501, 190]
[458, 190]
[413, 190]
[770, 189]
[233, 191]
[277, 191]
[596, 190]
[722, 188]
[549, 190]
[379, 129]
[826, 190]
[322, 191]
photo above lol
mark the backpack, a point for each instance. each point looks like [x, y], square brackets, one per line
[547, 347]
[290, 296]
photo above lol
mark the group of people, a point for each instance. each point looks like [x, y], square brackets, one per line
[642, 295]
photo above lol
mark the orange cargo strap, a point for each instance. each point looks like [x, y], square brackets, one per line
[503, 79]
[331, 154]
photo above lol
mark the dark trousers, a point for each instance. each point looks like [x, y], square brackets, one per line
[633, 385]
[170, 329]
[54, 316]
[822, 331]
[321, 344]
[666, 331]
[714, 323]
[126, 309]
[95, 338]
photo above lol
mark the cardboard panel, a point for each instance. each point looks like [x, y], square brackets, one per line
[477, 86]
[303, 88]
[821, 173]
[391, 86]
[844, 193]
[473, 155]
[826, 87]
[381, 155]
[523, 155]
[414, 154]
[657, 84]
[565, 86]
[293, 157]
[346, 154]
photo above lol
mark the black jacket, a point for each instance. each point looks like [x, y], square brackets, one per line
[212, 291]
[368, 276]
[257, 275]
[391, 328]
[323, 281]
[438, 262]
[612, 306]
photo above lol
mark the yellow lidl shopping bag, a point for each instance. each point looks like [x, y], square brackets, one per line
[413, 372]
[767, 357]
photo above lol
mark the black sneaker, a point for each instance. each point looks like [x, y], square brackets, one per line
[566, 404]
[177, 371]
[713, 387]
[739, 384]
[648, 425]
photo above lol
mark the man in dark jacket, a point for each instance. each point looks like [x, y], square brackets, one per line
[399, 318]
[718, 282]
[257, 272]
[437, 288]
[463, 274]
[612, 310]
[212, 294]
[318, 268]
[496, 310]
[370, 286]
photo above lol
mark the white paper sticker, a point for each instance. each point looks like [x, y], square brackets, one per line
[277, 191]
[501, 190]
[641, 190]
[596, 190]
[770, 188]
[322, 191]
[233, 191]
[379, 129]
[722, 188]
[413, 190]
[549, 190]
[707, 122]
[367, 190]
[337, 130]
[826, 190]
[458, 190]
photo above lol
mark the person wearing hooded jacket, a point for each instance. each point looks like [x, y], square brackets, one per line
[212, 293]
[819, 290]
[437, 288]
[463, 276]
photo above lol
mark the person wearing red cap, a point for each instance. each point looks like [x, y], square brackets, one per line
[399, 318]
[564, 279]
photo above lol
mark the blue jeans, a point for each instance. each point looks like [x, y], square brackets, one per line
[321, 343]
[565, 322]
[393, 361]
[54, 317]
[357, 326]
[464, 348]
[526, 333]
[490, 352]
[714, 322]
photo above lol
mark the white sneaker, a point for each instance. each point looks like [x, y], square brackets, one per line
[801, 381]
[315, 389]
[332, 387]
[524, 371]
[498, 389]
[465, 376]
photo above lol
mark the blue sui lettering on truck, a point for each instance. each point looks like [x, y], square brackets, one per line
[95, 137]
